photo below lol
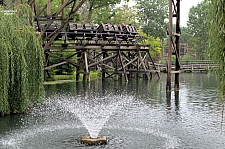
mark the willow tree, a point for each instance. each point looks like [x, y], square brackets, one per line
[217, 38]
[21, 59]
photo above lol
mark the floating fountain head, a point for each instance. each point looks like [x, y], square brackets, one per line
[100, 140]
[93, 112]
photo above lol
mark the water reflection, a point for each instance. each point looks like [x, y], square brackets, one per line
[188, 118]
[173, 112]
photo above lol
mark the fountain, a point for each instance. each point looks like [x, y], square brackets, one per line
[93, 112]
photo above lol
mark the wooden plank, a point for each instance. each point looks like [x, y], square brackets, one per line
[178, 71]
[55, 65]
[175, 34]
[100, 61]
[49, 8]
[121, 61]
[102, 47]
[130, 62]
[69, 61]
[143, 71]
[121, 72]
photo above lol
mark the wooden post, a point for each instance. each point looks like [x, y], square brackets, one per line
[121, 61]
[177, 66]
[173, 47]
[87, 73]
[168, 85]
[78, 67]
[63, 12]
[48, 8]
[117, 66]
[138, 63]
[17, 2]
[103, 67]
[129, 66]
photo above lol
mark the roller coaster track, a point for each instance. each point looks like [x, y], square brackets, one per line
[115, 50]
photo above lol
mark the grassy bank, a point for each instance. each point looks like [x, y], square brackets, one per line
[57, 79]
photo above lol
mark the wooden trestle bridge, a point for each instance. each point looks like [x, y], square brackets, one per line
[114, 49]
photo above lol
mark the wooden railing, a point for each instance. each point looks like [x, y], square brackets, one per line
[191, 66]
[189, 62]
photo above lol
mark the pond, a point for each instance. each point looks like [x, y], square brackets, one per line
[134, 115]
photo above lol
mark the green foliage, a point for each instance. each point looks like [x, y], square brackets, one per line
[92, 7]
[217, 38]
[62, 69]
[198, 29]
[119, 15]
[103, 15]
[153, 15]
[21, 60]
[155, 43]
[187, 58]
[125, 14]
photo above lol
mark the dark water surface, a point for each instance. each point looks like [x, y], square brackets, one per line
[145, 117]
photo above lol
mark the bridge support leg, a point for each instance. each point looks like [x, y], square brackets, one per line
[78, 67]
[177, 49]
[86, 76]
[122, 64]
[46, 64]
[173, 47]
[103, 67]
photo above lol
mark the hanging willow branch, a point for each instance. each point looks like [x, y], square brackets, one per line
[21, 58]
[217, 38]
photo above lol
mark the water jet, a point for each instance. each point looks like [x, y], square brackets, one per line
[100, 140]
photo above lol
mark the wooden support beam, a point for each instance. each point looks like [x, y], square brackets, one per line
[175, 72]
[78, 67]
[143, 64]
[104, 59]
[177, 64]
[176, 34]
[169, 63]
[103, 68]
[154, 66]
[48, 8]
[87, 74]
[69, 61]
[121, 61]
[173, 47]
[112, 47]
[63, 12]
[60, 63]
[42, 10]
[73, 11]
[55, 65]
[17, 2]
[142, 59]
[130, 62]
[30, 2]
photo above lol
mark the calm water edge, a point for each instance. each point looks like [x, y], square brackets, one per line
[134, 115]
